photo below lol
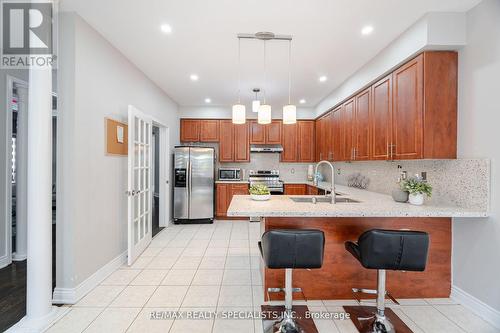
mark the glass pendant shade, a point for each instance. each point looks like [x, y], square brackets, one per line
[289, 114]
[264, 116]
[239, 114]
[256, 106]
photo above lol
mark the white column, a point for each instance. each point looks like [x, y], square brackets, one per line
[39, 276]
[22, 174]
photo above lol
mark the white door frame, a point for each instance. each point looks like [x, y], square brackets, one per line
[11, 80]
[164, 190]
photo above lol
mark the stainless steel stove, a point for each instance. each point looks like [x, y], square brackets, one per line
[270, 178]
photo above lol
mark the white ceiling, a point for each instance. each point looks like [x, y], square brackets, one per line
[326, 41]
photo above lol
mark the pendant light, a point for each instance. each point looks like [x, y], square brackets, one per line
[256, 101]
[239, 110]
[289, 111]
[264, 115]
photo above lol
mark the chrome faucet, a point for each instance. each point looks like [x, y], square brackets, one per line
[332, 189]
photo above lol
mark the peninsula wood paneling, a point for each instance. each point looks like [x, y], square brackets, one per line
[341, 271]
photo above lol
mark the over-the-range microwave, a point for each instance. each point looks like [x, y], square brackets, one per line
[229, 174]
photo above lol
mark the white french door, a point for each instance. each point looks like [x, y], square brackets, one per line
[139, 182]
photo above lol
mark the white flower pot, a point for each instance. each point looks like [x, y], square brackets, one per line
[264, 197]
[416, 199]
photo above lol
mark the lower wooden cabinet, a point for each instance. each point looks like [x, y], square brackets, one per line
[312, 190]
[224, 195]
[295, 189]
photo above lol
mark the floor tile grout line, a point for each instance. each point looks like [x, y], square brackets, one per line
[446, 316]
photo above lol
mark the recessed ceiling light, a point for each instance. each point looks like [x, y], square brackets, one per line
[193, 77]
[367, 30]
[323, 78]
[165, 28]
[208, 100]
[302, 101]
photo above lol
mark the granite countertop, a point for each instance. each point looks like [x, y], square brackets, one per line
[371, 205]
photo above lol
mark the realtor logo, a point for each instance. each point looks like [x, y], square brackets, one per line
[27, 34]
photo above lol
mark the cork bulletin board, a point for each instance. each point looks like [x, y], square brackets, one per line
[116, 138]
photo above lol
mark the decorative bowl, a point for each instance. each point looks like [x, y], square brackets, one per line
[263, 197]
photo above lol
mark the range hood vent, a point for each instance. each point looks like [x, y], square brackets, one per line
[266, 148]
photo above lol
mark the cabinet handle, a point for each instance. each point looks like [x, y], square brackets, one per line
[330, 156]
[391, 151]
[321, 156]
[354, 153]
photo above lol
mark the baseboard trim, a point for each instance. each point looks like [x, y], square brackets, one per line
[4, 261]
[19, 257]
[73, 295]
[476, 306]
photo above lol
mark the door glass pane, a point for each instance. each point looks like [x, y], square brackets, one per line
[136, 155]
[136, 179]
[136, 207]
[136, 231]
[136, 129]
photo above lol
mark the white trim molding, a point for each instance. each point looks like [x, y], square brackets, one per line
[4, 261]
[73, 295]
[476, 306]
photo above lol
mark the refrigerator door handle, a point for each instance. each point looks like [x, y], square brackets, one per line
[189, 186]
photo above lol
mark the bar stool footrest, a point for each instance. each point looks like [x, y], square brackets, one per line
[357, 291]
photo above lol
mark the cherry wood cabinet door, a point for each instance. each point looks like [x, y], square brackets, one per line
[190, 130]
[222, 199]
[407, 119]
[305, 134]
[241, 143]
[380, 119]
[347, 130]
[209, 130]
[337, 135]
[257, 133]
[328, 147]
[226, 141]
[295, 189]
[290, 142]
[311, 190]
[273, 132]
[238, 189]
[318, 139]
[362, 125]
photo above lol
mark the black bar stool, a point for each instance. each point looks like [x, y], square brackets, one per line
[290, 249]
[399, 250]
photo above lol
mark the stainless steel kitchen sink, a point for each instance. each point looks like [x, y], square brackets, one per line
[310, 199]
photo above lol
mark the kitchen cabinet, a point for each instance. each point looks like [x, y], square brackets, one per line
[323, 142]
[265, 134]
[241, 143]
[233, 142]
[312, 190]
[408, 114]
[361, 126]
[295, 189]
[346, 124]
[190, 130]
[199, 130]
[298, 142]
[305, 132]
[380, 119]
[224, 193]
[407, 111]
[209, 130]
[226, 141]
[290, 142]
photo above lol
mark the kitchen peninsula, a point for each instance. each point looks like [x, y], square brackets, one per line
[345, 221]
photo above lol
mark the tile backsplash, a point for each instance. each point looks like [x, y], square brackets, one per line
[462, 182]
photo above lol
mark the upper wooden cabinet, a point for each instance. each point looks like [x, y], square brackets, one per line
[409, 114]
[265, 134]
[199, 130]
[226, 141]
[361, 125]
[209, 130]
[241, 143]
[305, 132]
[190, 130]
[233, 142]
[289, 142]
[298, 142]
[380, 119]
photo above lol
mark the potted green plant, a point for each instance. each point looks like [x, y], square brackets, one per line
[260, 192]
[417, 189]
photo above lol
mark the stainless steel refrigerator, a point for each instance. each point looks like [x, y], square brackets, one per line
[194, 172]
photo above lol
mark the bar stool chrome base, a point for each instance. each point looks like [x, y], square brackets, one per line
[301, 323]
[285, 325]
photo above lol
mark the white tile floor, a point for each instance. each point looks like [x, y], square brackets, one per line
[215, 268]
